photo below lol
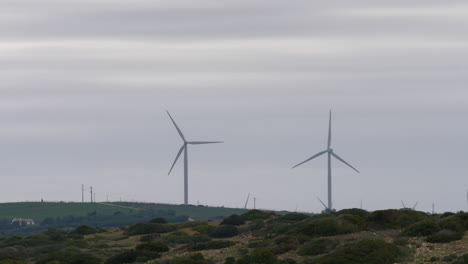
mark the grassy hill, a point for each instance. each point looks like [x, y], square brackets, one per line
[69, 215]
[39, 211]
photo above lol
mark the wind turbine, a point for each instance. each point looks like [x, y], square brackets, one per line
[330, 153]
[409, 208]
[184, 148]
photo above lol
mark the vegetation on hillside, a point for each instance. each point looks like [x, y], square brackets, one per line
[349, 236]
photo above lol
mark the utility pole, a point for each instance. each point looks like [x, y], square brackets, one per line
[91, 191]
[82, 193]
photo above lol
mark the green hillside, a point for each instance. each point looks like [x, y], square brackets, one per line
[39, 211]
[192, 211]
[69, 215]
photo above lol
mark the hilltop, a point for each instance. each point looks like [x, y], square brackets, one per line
[111, 214]
[349, 236]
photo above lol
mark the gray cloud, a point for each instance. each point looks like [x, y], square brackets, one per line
[85, 85]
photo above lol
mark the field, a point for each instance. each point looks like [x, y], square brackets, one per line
[39, 211]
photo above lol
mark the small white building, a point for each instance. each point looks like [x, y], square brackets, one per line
[23, 221]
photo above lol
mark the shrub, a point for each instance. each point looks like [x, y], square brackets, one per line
[279, 228]
[354, 211]
[257, 215]
[84, 230]
[142, 229]
[259, 256]
[401, 241]
[367, 251]
[158, 220]
[56, 234]
[127, 256]
[217, 244]
[422, 228]
[445, 236]
[317, 247]
[233, 220]
[293, 217]
[69, 258]
[12, 253]
[174, 239]
[454, 223]
[229, 260]
[284, 244]
[256, 225]
[149, 238]
[353, 219]
[224, 231]
[153, 247]
[204, 229]
[326, 226]
[195, 258]
[395, 218]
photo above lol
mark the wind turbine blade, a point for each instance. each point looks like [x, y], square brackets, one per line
[311, 158]
[204, 142]
[342, 160]
[177, 127]
[329, 131]
[175, 161]
[402, 203]
[247, 201]
[321, 201]
[416, 204]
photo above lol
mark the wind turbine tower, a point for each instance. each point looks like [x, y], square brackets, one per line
[330, 152]
[91, 191]
[247, 201]
[82, 193]
[184, 149]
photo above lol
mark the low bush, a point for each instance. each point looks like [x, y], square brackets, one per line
[204, 229]
[326, 226]
[455, 223]
[284, 244]
[317, 247]
[293, 217]
[367, 251]
[257, 215]
[422, 228]
[233, 220]
[401, 241]
[224, 231]
[84, 230]
[216, 244]
[256, 225]
[127, 256]
[149, 238]
[153, 247]
[259, 256]
[354, 211]
[195, 258]
[395, 218]
[174, 239]
[444, 236]
[158, 220]
[142, 229]
[68, 258]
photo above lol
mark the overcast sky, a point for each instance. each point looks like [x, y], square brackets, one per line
[85, 85]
